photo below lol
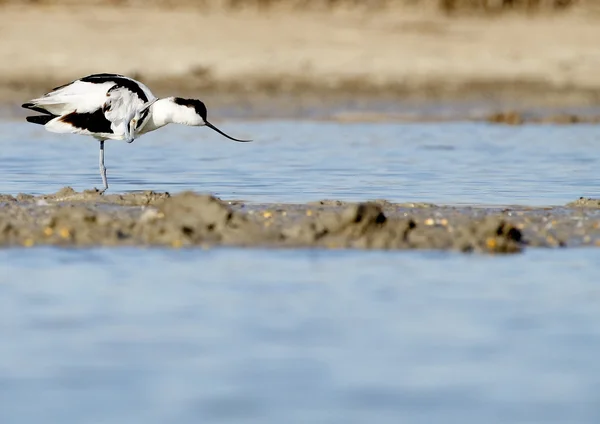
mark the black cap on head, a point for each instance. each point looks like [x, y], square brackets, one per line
[197, 105]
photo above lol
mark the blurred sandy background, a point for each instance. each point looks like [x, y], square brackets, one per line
[534, 52]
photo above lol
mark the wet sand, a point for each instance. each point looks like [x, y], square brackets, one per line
[83, 219]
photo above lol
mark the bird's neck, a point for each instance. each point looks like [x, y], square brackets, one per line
[161, 114]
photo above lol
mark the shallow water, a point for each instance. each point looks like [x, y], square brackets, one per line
[291, 161]
[186, 336]
[225, 335]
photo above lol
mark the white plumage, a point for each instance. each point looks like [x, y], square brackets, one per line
[113, 107]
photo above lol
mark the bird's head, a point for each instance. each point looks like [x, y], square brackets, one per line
[193, 112]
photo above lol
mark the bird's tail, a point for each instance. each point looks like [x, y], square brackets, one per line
[40, 119]
[35, 107]
[51, 106]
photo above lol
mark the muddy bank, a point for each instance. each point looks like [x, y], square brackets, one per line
[548, 117]
[360, 98]
[225, 103]
[445, 6]
[254, 56]
[70, 218]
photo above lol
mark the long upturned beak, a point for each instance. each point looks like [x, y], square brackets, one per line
[211, 126]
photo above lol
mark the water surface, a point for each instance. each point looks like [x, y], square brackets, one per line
[304, 336]
[297, 161]
[155, 336]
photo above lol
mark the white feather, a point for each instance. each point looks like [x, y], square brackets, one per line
[78, 96]
[118, 104]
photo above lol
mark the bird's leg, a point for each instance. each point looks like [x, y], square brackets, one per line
[102, 168]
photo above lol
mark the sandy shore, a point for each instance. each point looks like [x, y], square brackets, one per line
[257, 56]
[188, 219]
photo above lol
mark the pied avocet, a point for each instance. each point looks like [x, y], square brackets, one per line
[113, 107]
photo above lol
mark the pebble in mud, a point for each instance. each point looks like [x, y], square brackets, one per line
[69, 218]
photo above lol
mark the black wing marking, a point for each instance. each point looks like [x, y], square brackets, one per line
[91, 78]
[94, 122]
[120, 81]
[143, 117]
[35, 108]
[40, 119]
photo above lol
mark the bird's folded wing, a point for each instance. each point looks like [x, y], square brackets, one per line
[120, 108]
[78, 96]
[108, 118]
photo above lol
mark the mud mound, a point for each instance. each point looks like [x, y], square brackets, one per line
[191, 219]
[185, 219]
[68, 195]
[70, 218]
[365, 226]
[585, 202]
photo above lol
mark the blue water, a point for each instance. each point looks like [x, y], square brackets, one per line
[305, 336]
[290, 161]
[298, 336]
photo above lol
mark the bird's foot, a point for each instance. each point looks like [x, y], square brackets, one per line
[100, 191]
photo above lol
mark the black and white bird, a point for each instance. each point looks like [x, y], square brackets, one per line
[113, 107]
